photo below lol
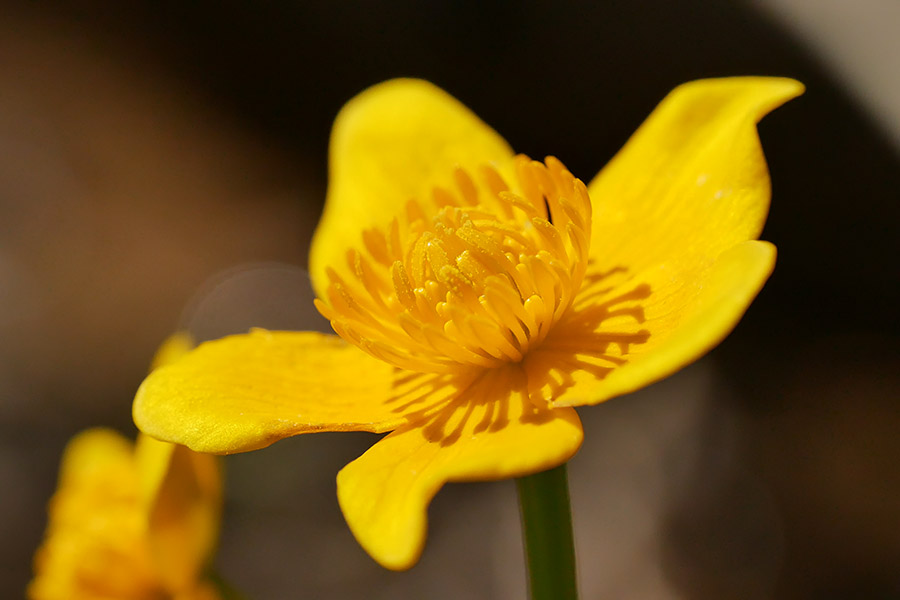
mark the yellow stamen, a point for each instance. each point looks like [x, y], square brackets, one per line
[474, 276]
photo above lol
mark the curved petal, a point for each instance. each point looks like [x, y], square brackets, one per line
[692, 179]
[245, 392]
[648, 326]
[393, 142]
[182, 495]
[491, 432]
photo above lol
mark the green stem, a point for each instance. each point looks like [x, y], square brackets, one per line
[547, 529]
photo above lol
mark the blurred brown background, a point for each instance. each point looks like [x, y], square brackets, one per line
[162, 165]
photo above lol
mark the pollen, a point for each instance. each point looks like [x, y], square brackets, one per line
[473, 276]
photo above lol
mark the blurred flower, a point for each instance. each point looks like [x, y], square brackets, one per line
[130, 521]
[479, 299]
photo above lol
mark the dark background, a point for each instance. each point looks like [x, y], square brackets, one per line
[162, 165]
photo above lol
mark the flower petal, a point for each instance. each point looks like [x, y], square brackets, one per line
[692, 178]
[172, 349]
[647, 326]
[182, 493]
[245, 392]
[393, 142]
[491, 432]
[93, 453]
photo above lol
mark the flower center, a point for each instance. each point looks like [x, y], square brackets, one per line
[475, 277]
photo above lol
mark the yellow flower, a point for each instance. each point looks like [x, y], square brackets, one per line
[130, 521]
[481, 295]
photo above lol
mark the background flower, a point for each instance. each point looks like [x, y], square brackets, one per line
[131, 520]
[129, 523]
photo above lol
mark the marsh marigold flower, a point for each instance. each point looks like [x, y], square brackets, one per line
[130, 521]
[478, 296]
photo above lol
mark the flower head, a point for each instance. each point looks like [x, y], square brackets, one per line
[479, 295]
[128, 521]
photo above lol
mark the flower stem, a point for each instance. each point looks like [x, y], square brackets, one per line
[547, 529]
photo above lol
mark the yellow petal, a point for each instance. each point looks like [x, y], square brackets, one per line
[153, 457]
[182, 492]
[173, 349]
[648, 326]
[245, 392]
[491, 432]
[692, 179]
[393, 142]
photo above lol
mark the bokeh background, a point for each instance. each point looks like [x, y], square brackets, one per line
[162, 165]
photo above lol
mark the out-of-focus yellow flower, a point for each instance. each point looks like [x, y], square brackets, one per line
[130, 521]
[481, 295]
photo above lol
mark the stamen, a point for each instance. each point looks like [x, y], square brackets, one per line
[470, 277]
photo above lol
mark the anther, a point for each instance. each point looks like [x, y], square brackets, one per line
[471, 277]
